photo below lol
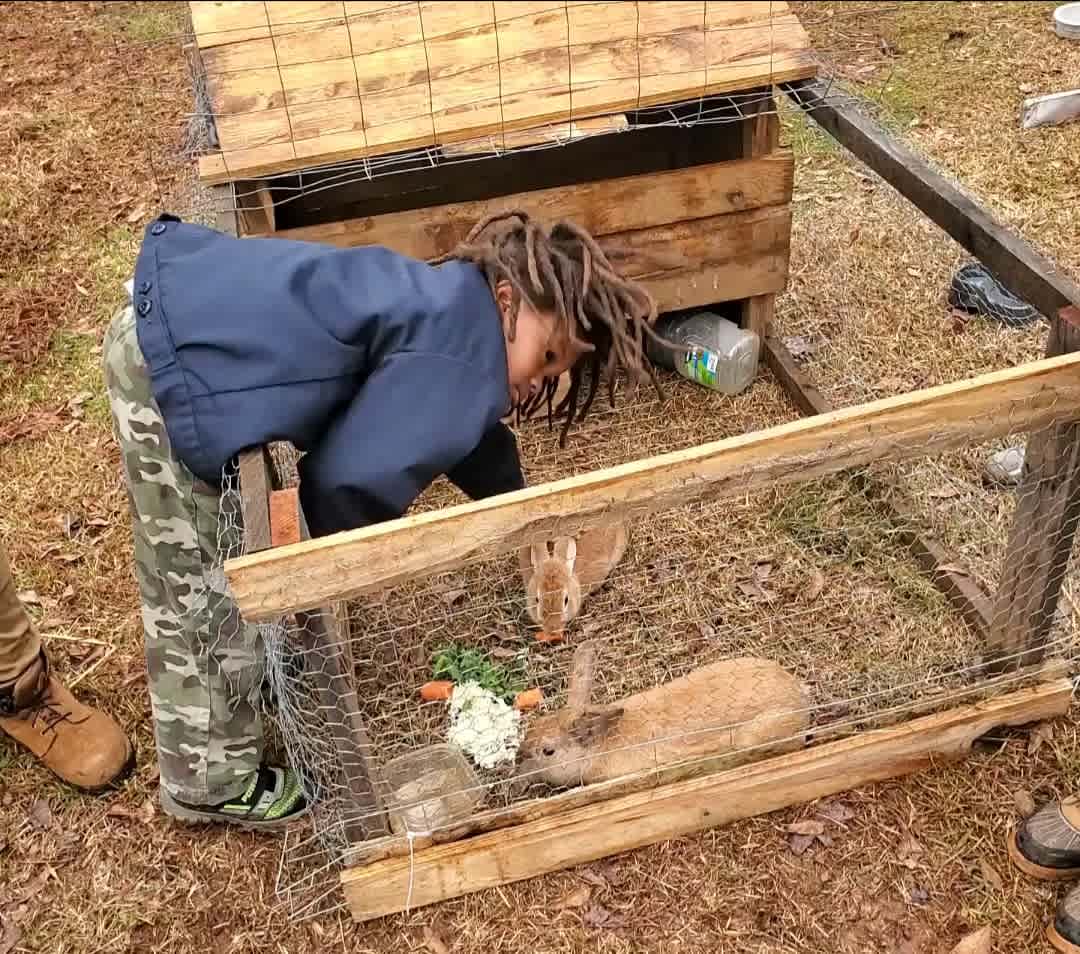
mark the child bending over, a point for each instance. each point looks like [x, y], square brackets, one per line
[388, 372]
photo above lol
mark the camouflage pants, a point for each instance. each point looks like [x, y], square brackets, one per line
[204, 664]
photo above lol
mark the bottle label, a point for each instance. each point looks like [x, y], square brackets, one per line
[700, 366]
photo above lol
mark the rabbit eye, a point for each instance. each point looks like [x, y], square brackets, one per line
[565, 601]
[549, 751]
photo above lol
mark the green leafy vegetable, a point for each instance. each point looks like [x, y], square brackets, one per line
[460, 665]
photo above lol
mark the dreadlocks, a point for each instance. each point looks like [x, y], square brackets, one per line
[564, 271]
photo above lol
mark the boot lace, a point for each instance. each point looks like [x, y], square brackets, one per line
[46, 714]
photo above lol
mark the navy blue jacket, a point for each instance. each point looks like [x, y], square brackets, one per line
[388, 372]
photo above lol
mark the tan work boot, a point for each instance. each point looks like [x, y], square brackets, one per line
[83, 746]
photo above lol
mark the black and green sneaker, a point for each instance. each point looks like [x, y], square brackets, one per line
[273, 799]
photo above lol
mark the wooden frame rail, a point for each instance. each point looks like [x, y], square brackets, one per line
[576, 835]
[1023, 270]
[344, 565]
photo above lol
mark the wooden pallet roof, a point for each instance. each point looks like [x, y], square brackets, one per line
[298, 84]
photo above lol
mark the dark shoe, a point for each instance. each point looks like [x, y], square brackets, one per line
[1064, 931]
[273, 799]
[975, 290]
[85, 747]
[1047, 845]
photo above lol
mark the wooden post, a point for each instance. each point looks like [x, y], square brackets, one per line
[761, 134]
[225, 217]
[324, 647]
[1044, 525]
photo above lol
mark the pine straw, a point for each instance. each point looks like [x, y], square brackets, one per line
[115, 876]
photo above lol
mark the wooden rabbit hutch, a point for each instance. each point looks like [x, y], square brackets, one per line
[654, 126]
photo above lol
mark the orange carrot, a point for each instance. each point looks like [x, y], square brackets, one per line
[549, 637]
[529, 699]
[438, 690]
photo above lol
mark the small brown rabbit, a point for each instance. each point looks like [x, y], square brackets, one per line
[556, 583]
[729, 706]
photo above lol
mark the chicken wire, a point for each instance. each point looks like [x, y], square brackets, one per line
[815, 576]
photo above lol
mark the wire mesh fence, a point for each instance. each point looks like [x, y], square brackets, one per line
[815, 579]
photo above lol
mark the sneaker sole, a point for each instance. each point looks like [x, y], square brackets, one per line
[1037, 871]
[192, 816]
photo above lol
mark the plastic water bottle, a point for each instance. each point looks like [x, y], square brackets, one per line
[718, 354]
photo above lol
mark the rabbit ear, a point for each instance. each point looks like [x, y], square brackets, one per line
[566, 550]
[594, 725]
[539, 554]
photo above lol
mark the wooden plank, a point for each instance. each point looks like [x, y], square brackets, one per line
[1052, 109]
[1043, 530]
[624, 204]
[622, 824]
[923, 422]
[532, 809]
[944, 570]
[441, 73]
[1019, 267]
[255, 489]
[255, 207]
[761, 134]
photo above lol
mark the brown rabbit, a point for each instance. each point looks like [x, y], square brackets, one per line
[737, 704]
[556, 583]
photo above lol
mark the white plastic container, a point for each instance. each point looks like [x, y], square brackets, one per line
[719, 354]
[1067, 21]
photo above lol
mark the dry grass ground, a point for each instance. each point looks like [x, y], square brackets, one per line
[912, 865]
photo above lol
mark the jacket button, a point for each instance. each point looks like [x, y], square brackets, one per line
[144, 307]
[144, 287]
[157, 228]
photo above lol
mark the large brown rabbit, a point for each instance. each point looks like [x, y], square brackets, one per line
[729, 706]
[557, 582]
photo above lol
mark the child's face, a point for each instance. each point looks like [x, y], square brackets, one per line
[540, 349]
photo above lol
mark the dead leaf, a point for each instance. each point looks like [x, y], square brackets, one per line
[809, 827]
[953, 568]
[887, 47]
[762, 571]
[599, 916]
[837, 812]
[69, 593]
[137, 214]
[433, 942]
[955, 35]
[707, 631]
[891, 384]
[944, 493]
[501, 652]
[121, 811]
[1025, 804]
[908, 850]
[919, 895]
[815, 586]
[914, 273]
[826, 839]
[80, 399]
[801, 347]
[85, 292]
[70, 523]
[977, 943]
[595, 878]
[453, 597]
[1027, 87]
[1043, 732]
[577, 898]
[11, 936]
[40, 815]
[799, 843]
[29, 597]
[989, 872]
